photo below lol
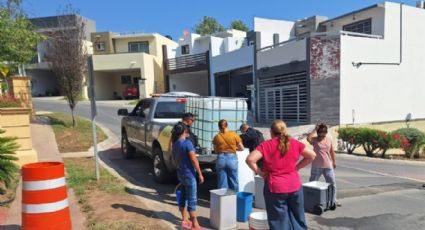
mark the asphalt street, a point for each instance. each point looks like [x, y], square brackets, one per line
[375, 194]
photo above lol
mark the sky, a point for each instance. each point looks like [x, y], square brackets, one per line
[172, 17]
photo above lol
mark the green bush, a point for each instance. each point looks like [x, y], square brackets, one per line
[410, 140]
[351, 138]
[372, 140]
[8, 168]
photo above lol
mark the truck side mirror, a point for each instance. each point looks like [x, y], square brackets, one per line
[122, 112]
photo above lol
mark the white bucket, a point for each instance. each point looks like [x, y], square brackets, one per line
[258, 221]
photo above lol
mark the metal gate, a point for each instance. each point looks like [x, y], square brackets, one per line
[284, 97]
[283, 102]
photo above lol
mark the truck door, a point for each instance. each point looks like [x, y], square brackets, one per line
[138, 123]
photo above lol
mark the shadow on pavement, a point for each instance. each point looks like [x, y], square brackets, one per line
[148, 213]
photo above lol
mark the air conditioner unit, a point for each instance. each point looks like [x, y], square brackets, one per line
[420, 4]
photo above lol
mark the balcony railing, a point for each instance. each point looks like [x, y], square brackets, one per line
[190, 62]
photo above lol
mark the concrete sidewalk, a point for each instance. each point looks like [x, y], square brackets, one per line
[44, 142]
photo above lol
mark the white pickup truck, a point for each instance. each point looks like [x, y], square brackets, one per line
[148, 129]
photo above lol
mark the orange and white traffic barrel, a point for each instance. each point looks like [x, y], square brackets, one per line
[44, 197]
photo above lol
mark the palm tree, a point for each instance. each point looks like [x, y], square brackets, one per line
[8, 168]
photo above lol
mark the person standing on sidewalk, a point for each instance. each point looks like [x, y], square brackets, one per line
[187, 121]
[187, 169]
[226, 143]
[251, 137]
[283, 193]
[325, 162]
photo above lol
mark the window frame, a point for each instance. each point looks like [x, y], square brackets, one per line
[100, 46]
[127, 81]
[139, 44]
[143, 107]
[165, 103]
[359, 26]
[186, 49]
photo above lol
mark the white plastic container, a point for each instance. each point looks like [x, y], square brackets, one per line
[258, 195]
[258, 221]
[223, 209]
[210, 110]
[245, 174]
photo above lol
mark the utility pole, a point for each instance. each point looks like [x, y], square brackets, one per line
[93, 109]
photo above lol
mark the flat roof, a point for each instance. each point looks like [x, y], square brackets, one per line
[352, 12]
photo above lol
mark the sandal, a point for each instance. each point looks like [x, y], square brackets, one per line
[186, 224]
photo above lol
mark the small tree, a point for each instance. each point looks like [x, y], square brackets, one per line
[239, 25]
[67, 55]
[18, 39]
[8, 168]
[208, 25]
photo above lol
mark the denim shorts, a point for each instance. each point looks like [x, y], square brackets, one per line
[188, 190]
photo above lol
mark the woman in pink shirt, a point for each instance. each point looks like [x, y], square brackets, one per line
[282, 191]
[325, 162]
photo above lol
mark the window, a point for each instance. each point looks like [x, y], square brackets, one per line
[100, 46]
[136, 80]
[125, 79]
[138, 47]
[363, 26]
[142, 109]
[185, 49]
[169, 109]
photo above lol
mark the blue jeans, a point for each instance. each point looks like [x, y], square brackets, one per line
[188, 193]
[329, 175]
[227, 171]
[285, 211]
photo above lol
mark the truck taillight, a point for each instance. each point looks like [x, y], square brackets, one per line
[181, 100]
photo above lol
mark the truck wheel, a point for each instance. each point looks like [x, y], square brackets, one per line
[160, 171]
[126, 148]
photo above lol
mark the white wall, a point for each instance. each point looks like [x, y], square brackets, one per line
[378, 21]
[385, 92]
[200, 45]
[233, 60]
[195, 82]
[286, 53]
[268, 27]
[231, 44]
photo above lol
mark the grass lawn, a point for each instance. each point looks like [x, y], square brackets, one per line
[72, 139]
[106, 203]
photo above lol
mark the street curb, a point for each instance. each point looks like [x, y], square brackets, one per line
[370, 159]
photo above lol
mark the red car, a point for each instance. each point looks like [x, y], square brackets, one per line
[130, 92]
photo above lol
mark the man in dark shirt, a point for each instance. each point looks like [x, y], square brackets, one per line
[251, 137]
[187, 121]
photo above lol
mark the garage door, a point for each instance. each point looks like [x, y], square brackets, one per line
[284, 97]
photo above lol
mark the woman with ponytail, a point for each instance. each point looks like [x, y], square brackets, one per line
[283, 192]
[225, 145]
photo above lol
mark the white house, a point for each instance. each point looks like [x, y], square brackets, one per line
[220, 64]
[361, 67]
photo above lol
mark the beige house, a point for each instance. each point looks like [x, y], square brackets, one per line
[120, 60]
